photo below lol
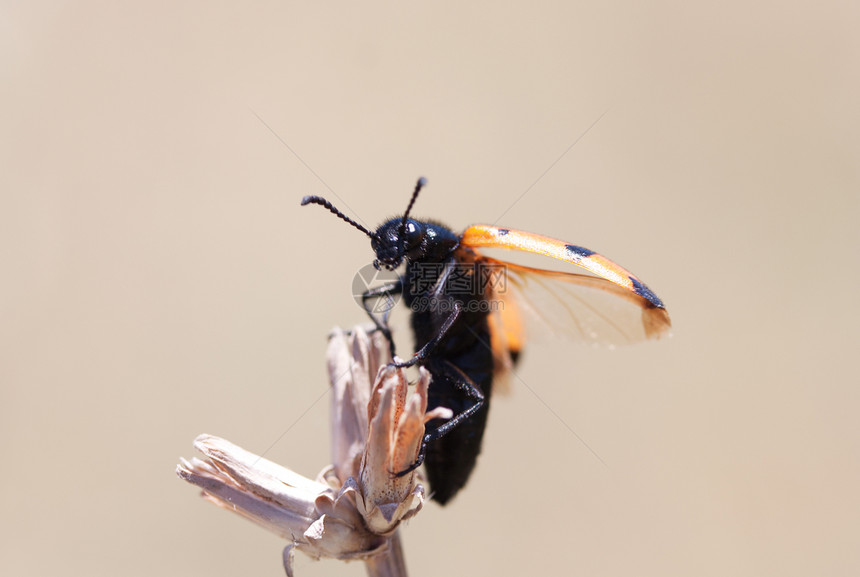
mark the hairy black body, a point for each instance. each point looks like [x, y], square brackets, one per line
[460, 363]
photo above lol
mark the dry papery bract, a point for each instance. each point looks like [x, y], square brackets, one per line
[353, 509]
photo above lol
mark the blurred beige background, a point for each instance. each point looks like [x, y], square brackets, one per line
[160, 279]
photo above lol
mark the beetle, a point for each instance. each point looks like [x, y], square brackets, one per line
[466, 318]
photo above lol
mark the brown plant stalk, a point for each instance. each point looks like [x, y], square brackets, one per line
[352, 510]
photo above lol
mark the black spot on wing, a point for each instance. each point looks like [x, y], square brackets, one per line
[577, 253]
[503, 231]
[644, 291]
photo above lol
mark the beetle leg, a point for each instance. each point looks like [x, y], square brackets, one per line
[382, 291]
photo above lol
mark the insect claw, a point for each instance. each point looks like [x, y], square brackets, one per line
[418, 462]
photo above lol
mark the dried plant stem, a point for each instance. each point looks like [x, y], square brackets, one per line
[389, 562]
[351, 511]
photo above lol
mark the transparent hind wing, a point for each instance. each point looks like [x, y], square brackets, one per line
[580, 307]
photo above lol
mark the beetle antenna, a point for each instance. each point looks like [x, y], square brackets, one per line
[323, 202]
[418, 186]
[422, 182]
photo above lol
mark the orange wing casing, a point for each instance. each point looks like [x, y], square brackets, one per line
[655, 319]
